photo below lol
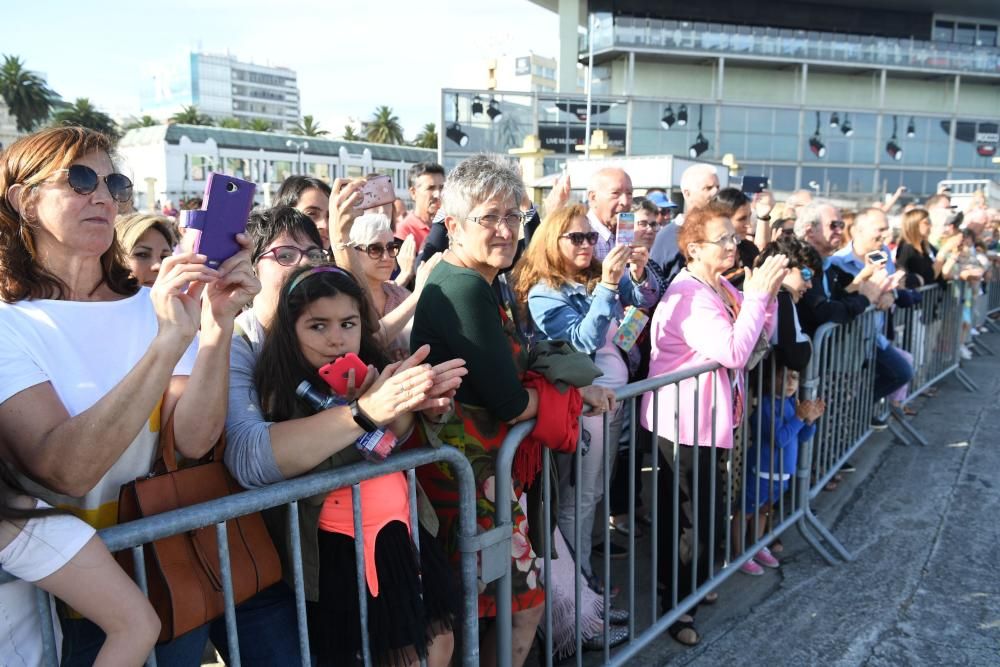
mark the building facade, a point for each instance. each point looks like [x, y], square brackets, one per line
[221, 86]
[172, 162]
[857, 98]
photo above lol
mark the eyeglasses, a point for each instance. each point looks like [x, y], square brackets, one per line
[512, 220]
[85, 180]
[378, 250]
[807, 273]
[577, 238]
[729, 239]
[788, 231]
[289, 255]
[838, 224]
[646, 224]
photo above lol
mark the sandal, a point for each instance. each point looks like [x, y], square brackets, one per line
[831, 485]
[710, 598]
[776, 546]
[684, 632]
[908, 411]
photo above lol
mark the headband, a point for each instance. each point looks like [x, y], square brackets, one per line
[313, 271]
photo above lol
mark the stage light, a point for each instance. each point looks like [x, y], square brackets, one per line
[454, 132]
[911, 128]
[817, 147]
[846, 126]
[477, 105]
[668, 119]
[894, 150]
[835, 119]
[682, 115]
[699, 146]
[493, 110]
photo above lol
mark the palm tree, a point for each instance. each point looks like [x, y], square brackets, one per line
[85, 114]
[428, 137]
[134, 123]
[384, 127]
[189, 115]
[25, 93]
[231, 123]
[308, 128]
[260, 125]
[350, 134]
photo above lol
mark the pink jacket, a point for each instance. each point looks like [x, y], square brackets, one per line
[691, 327]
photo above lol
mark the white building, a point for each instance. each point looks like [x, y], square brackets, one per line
[8, 126]
[221, 86]
[173, 161]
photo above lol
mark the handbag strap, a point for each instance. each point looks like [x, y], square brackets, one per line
[168, 451]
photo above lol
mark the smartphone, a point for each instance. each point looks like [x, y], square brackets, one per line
[754, 184]
[625, 232]
[876, 257]
[336, 374]
[212, 230]
[376, 191]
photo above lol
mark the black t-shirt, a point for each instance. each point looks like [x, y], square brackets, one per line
[915, 263]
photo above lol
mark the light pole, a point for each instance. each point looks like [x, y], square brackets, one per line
[591, 25]
[300, 147]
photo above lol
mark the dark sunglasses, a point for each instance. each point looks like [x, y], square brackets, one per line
[85, 180]
[577, 238]
[837, 224]
[790, 231]
[377, 250]
[807, 274]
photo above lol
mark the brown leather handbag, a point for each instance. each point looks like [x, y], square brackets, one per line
[183, 571]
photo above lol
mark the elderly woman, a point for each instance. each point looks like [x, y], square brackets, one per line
[459, 315]
[376, 250]
[147, 240]
[702, 319]
[94, 363]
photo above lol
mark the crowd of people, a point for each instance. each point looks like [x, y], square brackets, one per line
[473, 312]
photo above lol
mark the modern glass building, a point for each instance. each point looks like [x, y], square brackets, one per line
[856, 98]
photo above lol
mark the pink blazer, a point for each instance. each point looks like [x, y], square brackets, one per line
[691, 327]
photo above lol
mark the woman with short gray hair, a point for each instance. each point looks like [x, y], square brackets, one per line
[460, 315]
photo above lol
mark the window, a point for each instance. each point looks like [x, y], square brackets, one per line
[987, 35]
[943, 31]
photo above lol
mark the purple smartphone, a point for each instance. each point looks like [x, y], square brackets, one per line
[212, 230]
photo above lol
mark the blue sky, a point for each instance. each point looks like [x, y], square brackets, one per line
[350, 56]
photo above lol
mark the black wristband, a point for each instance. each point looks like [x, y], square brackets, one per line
[765, 218]
[361, 419]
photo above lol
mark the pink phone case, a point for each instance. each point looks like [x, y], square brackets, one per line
[212, 230]
[377, 191]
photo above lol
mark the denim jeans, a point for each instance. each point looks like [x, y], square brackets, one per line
[266, 626]
[892, 371]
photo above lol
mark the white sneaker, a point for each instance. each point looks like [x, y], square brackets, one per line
[965, 353]
[973, 332]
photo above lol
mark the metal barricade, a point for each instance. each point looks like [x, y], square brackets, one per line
[134, 534]
[714, 477]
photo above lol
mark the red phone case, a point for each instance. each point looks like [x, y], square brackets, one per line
[335, 374]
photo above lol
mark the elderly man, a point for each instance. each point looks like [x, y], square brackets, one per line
[836, 296]
[893, 367]
[609, 193]
[940, 210]
[699, 185]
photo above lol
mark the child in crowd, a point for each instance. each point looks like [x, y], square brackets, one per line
[63, 556]
[788, 422]
[322, 314]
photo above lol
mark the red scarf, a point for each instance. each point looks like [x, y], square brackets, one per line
[557, 426]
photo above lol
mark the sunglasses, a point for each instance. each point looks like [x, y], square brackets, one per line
[789, 231]
[837, 224]
[378, 250]
[85, 180]
[807, 274]
[578, 238]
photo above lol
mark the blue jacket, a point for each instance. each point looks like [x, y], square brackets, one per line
[569, 313]
[789, 433]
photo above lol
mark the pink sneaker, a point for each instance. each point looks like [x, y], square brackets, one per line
[751, 568]
[766, 558]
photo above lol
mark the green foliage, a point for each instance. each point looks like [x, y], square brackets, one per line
[25, 94]
[308, 128]
[384, 128]
[145, 121]
[428, 137]
[85, 114]
[231, 123]
[350, 134]
[259, 125]
[189, 115]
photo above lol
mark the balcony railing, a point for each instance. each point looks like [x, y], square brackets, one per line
[793, 45]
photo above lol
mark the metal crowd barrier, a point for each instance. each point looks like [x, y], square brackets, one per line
[715, 556]
[134, 534]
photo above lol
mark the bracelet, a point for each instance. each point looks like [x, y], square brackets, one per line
[612, 287]
[765, 218]
[343, 246]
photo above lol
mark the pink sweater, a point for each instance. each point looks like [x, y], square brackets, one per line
[691, 327]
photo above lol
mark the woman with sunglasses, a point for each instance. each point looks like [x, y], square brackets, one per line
[376, 250]
[702, 319]
[572, 296]
[94, 362]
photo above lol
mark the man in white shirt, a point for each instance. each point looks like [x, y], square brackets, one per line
[699, 185]
[609, 193]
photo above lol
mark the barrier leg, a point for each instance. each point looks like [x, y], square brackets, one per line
[966, 380]
[827, 536]
[814, 542]
[907, 434]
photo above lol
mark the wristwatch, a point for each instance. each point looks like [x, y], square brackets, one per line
[361, 419]
[765, 218]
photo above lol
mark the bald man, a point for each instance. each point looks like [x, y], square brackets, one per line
[699, 185]
[609, 193]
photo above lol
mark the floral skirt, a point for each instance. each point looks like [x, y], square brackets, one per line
[474, 432]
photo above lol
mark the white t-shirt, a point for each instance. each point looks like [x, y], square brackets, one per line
[84, 349]
[42, 547]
